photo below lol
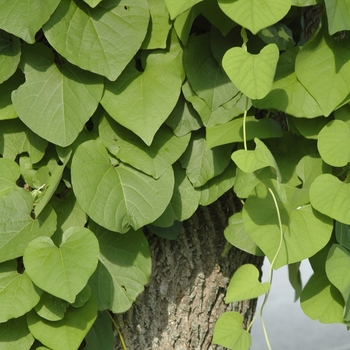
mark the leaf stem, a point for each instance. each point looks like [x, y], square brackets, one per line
[118, 330]
[244, 124]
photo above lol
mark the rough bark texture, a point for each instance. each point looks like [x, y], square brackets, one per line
[185, 295]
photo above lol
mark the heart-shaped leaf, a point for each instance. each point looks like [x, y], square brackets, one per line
[228, 332]
[24, 18]
[70, 96]
[57, 270]
[18, 294]
[331, 197]
[255, 14]
[65, 334]
[245, 284]
[123, 270]
[252, 74]
[116, 29]
[126, 197]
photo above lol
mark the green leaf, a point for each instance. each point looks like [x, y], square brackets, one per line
[334, 143]
[51, 308]
[100, 335]
[287, 93]
[82, 297]
[305, 231]
[158, 27]
[92, 3]
[309, 128]
[278, 34]
[126, 197]
[15, 334]
[342, 233]
[18, 294]
[183, 23]
[56, 270]
[204, 164]
[303, 3]
[24, 18]
[228, 332]
[255, 14]
[55, 102]
[338, 15]
[205, 75]
[16, 138]
[337, 270]
[321, 301]
[170, 233]
[9, 174]
[252, 74]
[233, 131]
[17, 226]
[295, 279]
[123, 270]
[154, 160]
[238, 237]
[261, 157]
[65, 334]
[176, 7]
[245, 284]
[315, 69]
[331, 197]
[10, 53]
[106, 37]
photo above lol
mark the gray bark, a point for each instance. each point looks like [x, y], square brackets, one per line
[186, 292]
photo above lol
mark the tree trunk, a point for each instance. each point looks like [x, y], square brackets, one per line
[186, 292]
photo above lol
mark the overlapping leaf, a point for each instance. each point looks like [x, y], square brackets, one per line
[10, 52]
[338, 15]
[176, 7]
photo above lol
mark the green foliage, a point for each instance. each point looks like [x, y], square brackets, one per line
[116, 115]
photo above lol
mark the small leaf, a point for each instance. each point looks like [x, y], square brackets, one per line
[65, 334]
[252, 74]
[331, 197]
[245, 284]
[51, 308]
[123, 270]
[255, 14]
[114, 28]
[338, 15]
[176, 7]
[126, 197]
[56, 270]
[295, 279]
[229, 333]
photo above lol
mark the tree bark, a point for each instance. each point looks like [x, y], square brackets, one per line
[186, 292]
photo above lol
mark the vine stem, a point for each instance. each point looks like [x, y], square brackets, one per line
[118, 330]
[244, 124]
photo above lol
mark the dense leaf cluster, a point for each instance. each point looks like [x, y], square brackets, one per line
[118, 114]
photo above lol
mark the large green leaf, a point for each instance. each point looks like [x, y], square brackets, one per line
[117, 197]
[24, 18]
[154, 160]
[57, 270]
[18, 294]
[55, 101]
[17, 226]
[102, 40]
[323, 67]
[65, 334]
[305, 231]
[252, 74]
[15, 334]
[331, 197]
[123, 270]
[142, 101]
[255, 14]
[10, 53]
[338, 15]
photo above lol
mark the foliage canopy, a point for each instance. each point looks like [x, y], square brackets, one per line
[121, 114]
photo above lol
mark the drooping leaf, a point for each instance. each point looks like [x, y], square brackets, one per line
[56, 270]
[18, 294]
[252, 74]
[51, 308]
[65, 334]
[294, 276]
[154, 160]
[106, 37]
[126, 197]
[228, 332]
[255, 14]
[338, 15]
[24, 18]
[245, 284]
[55, 102]
[331, 197]
[314, 68]
[123, 270]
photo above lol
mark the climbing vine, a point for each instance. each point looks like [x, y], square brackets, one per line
[121, 114]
